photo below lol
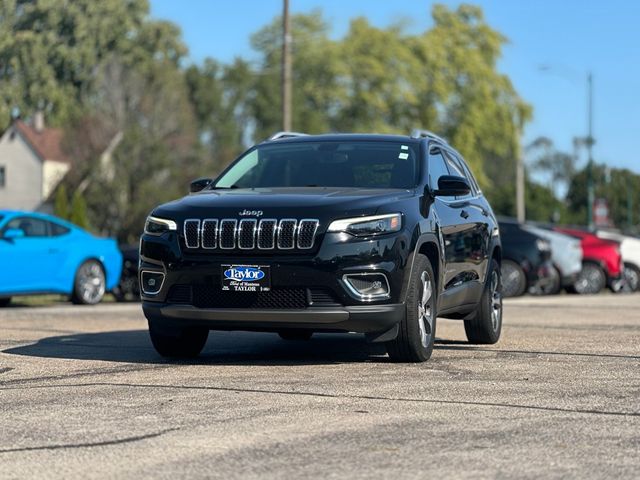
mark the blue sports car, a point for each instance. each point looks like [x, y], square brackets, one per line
[44, 254]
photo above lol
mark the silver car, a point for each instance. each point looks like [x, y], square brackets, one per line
[630, 250]
[566, 256]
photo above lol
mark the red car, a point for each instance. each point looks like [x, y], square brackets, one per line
[601, 264]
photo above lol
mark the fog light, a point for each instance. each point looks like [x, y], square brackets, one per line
[367, 286]
[151, 282]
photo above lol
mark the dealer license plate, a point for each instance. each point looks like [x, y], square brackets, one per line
[246, 278]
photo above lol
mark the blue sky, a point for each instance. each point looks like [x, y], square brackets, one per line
[570, 36]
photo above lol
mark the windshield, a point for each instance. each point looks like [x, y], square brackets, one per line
[325, 164]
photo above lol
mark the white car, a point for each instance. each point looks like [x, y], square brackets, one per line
[630, 249]
[566, 256]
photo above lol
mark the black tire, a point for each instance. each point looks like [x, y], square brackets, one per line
[514, 280]
[591, 279]
[486, 324]
[296, 335]
[4, 302]
[554, 285]
[89, 284]
[632, 277]
[178, 342]
[417, 330]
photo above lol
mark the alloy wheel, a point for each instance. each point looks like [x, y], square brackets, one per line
[496, 301]
[425, 312]
[91, 282]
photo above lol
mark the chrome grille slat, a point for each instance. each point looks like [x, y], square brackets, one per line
[307, 233]
[250, 233]
[209, 233]
[267, 229]
[228, 234]
[192, 233]
[287, 233]
[247, 234]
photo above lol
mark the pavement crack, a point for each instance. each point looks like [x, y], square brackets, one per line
[347, 396]
[103, 443]
[85, 373]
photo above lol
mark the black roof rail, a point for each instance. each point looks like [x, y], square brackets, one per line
[280, 135]
[420, 133]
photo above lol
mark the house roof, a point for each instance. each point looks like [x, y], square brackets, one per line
[47, 144]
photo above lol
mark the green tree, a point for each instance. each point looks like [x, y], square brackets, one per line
[78, 215]
[317, 91]
[621, 189]
[49, 50]
[557, 167]
[61, 205]
[219, 95]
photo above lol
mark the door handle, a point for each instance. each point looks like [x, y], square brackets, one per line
[464, 214]
[53, 250]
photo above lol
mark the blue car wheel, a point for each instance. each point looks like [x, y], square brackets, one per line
[89, 285]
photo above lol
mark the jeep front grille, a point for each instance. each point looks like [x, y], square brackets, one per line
[249, 234]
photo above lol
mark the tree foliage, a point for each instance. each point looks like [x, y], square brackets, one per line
[141, 122]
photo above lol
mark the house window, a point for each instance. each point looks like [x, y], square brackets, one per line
[3, 176]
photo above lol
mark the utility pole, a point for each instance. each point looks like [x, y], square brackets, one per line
[286, 68]
[520, 184]
[590, 141]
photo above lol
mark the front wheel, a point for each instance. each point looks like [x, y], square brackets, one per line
[591, 279]
[417, 330]
[486, 324]
[632, 277]
[89, 284]
[514, 281]
[178, 342]
[4, 302]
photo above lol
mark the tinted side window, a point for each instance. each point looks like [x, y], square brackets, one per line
[469, 175]
[457, 169]
[57, 229]
[437, 168]
[32, 227]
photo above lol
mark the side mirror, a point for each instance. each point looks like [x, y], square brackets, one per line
[13, 233]
[199, 184]
[452, 186]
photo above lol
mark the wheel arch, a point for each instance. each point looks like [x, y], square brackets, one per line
[428, 246]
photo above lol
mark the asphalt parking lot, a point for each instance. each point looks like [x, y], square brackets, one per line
[84, 395]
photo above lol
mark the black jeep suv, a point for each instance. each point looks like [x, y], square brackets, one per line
[374, 234]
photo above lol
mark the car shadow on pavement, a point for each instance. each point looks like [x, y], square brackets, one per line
[223, 348]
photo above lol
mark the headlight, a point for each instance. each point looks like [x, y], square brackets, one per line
[158, 226]
[543, 245]
[365, 226]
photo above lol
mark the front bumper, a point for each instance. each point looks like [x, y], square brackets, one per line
[360, 318]
[308, 290]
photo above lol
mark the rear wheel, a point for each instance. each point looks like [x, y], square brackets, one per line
[4, 302]
[553, 285]
[486, 325]
[89, 284]
[417, 331]
[591, 279]
[178, 342]
[297, 335]
[514, 281]
[631, 277]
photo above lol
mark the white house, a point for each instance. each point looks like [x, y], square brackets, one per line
[32, 163]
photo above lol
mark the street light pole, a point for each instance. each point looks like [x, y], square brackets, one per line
[590, 141]
[286, 68]
[520, 181]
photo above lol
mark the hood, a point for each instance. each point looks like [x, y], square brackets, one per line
[310, 202]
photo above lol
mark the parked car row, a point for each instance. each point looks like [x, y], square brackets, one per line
[44, 254]
[544, 259]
